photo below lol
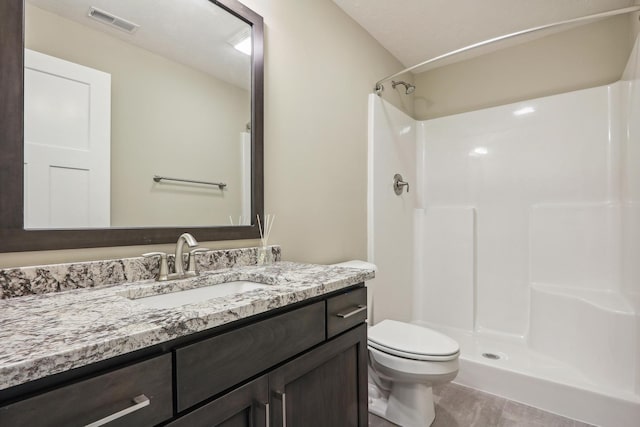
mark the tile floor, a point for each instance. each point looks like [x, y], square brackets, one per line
[458, 406]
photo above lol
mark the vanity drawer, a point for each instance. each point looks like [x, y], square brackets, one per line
[94, 399]
[346, 311]
[209, 367]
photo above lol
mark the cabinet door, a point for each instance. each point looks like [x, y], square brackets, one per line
[246, 406]
[324, 387]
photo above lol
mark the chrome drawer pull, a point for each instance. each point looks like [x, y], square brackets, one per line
[266, 410]
[139, 403]
[283, 397]
[354, 312]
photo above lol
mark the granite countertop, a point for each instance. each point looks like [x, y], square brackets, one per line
[50, 333]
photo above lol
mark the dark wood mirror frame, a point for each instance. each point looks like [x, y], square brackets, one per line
[13, 236]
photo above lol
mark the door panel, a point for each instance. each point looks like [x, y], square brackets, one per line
[324, 387]
[241, 407]
[241, 419]
[67, 144]
[69, 187]
[326, 394]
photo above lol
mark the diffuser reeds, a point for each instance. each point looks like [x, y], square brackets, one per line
[265, 231]
[264, 253]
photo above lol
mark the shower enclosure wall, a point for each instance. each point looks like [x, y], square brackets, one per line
[520, 239]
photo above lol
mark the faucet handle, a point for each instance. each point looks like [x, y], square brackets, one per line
[192, 266]
[163, 275]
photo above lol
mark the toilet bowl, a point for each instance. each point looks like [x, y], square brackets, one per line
[405, 361]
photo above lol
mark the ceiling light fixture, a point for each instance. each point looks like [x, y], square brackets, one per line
[479, 151]
[244, 46]
[242, 41]
[523, 111]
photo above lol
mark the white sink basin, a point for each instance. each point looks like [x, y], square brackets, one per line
[190, 296]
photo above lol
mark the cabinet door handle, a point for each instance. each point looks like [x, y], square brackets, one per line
[266, 411]
[283, 397]
[139, 403]
[353, 312]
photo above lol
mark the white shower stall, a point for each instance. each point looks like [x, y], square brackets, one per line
[519, 238]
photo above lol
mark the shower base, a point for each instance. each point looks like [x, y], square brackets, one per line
[507, 367]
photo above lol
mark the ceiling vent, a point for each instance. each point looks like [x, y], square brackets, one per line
[112, 20]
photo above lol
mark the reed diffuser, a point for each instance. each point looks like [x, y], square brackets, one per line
[264, 253]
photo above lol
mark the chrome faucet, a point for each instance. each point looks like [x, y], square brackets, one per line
[192, 243]
[192, 269]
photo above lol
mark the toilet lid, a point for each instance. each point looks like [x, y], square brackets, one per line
[411, 341]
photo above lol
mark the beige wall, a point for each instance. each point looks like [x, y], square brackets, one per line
[582, 57]
[167, 119]
[320, 68]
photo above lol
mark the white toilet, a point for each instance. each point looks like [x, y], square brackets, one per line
[405, 361]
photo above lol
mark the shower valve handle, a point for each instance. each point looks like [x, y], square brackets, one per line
[399, 184]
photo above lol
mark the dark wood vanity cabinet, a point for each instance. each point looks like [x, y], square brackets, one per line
[324, 387]
[297, 366]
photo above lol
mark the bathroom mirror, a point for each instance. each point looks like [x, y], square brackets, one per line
[129, 122]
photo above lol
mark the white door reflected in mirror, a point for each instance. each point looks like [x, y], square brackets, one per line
[67, 125]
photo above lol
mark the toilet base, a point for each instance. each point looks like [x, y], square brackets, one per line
[377, 401]
[407, 404]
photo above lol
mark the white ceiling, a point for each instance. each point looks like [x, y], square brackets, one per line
[195, 33]
[416, 30]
